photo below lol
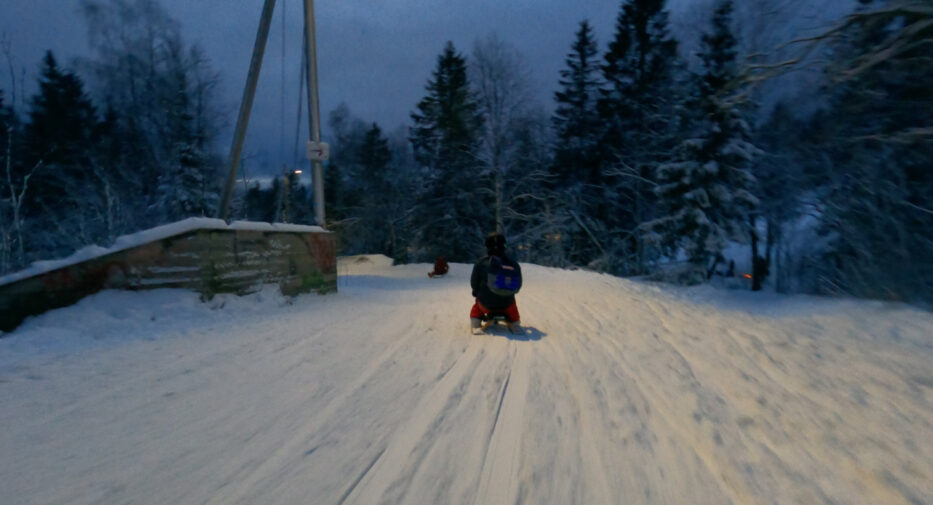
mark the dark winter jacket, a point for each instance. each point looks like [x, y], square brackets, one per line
[482, 293]
[440, 267]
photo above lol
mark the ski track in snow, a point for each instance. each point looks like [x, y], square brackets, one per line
[617, 392]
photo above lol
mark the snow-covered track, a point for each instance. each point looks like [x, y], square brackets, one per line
[618, 392]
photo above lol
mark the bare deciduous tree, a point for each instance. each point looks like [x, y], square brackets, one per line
[502, 85]
[153, 82]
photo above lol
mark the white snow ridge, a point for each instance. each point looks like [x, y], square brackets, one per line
[617, 393]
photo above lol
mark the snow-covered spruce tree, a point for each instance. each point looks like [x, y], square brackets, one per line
[451, 216]
[297, 206]
[259, 204]
[368, 228]
[374, 157]
[63, 208]
[62, 119]
[576, 120]
[574, 176]
[189, 186]
[342, 191]
[640, 110]
[704, 195]
[878, 208]
[377, 188]
[349, 179]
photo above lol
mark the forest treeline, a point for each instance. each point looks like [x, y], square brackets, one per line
[654, 159]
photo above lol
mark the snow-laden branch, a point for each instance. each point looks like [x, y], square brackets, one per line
[627, 173]
[894, 10]
[588, 232]
[916, 207]
[899, 44]
[904, 137]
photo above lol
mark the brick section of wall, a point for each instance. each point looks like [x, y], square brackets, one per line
[206, 261]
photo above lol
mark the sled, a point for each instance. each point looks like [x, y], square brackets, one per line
[493, 320]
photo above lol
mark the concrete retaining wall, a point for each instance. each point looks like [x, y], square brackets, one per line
[208, 261]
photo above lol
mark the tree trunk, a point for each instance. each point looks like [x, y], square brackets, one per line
[769, 241]
[639, 243]
[4, 247]
[392, 239]
[498, 203]
[756, 261]
[16, 200]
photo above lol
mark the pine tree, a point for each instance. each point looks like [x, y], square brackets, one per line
[374, 158]
[451, 217]
[61, 136]
[261, 203]
[365, 186]
[574, 176]
[333, 197]
[576, 119]
[705, 194]
[189, 186]
[62, 119]
[639, 107]
[375, 180]
[339, 179]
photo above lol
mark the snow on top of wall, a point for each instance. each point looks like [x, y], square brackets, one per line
[286, 227]
[151, 235]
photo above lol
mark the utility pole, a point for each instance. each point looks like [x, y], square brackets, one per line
[314, 116]
[246, 106]
[317, 150]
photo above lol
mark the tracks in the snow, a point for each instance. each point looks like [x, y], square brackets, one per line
[628, 394]
[498, 477]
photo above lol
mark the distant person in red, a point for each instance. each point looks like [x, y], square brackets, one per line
[440, 267]
[495, 280]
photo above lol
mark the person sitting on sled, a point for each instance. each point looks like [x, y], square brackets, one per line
[440, 267]
[495, 280]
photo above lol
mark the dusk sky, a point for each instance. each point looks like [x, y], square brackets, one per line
[374, 55]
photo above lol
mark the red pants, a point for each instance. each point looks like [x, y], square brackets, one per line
[510, 313]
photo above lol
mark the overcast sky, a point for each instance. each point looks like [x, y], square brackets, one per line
[375, 55]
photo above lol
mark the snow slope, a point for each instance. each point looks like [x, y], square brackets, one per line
[618, 392]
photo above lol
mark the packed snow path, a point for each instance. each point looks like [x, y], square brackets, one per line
[618, 392]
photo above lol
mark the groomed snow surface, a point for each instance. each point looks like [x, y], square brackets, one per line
[617, 393]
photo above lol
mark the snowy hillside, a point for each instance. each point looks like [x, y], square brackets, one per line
[618, 392]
